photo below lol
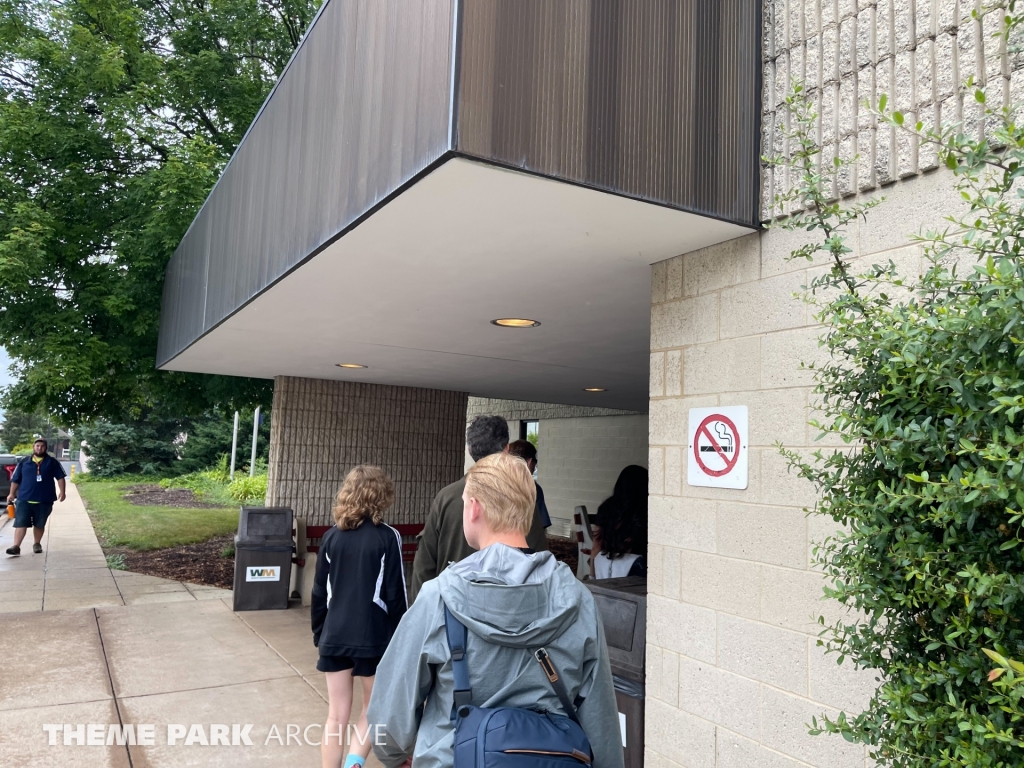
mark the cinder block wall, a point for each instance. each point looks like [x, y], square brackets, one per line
[734, 674]
[733, 668]
[579, 460]
[917, 52]
[580, 452]
[321, 429]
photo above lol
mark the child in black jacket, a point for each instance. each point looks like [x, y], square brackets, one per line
[358, 599]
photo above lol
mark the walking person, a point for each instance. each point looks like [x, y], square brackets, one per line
[513, 602]
[527, 451]
[358, 599]
[33, 485]
[442, 540]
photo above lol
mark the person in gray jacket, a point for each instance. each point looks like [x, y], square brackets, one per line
[513, 601]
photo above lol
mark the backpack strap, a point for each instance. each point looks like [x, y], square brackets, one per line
[457, 633]
[551, 672]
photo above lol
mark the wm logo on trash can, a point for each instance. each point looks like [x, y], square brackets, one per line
[263, 573]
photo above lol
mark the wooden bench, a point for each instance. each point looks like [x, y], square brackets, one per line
[408, 533]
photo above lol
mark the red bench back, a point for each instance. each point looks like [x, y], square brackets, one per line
[408, 532]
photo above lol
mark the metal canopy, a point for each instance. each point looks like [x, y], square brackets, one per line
[649, 103]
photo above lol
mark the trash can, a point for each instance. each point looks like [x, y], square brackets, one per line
[263, 558]
[622, 604]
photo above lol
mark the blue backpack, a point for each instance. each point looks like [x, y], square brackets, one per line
[511, 737]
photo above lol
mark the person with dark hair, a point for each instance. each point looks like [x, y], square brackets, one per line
[442, 541]
[620, 528]
[32, 484]
[527, 451]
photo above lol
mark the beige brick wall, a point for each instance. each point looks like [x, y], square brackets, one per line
[917, 52]
[580, 452]
[321, 429]
[524, 410]
[734, 673]
[580, 459]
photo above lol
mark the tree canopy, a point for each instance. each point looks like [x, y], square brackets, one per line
[116, 118]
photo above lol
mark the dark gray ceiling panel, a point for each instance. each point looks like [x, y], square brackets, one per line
[361, 109]
[654, 99]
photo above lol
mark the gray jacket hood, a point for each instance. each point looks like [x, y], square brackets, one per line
[512, 603]
[512, 599]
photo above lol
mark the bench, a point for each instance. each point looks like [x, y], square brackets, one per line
[408, 532]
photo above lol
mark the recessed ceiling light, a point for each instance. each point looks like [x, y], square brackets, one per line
[515, 322]
[594, 389]
[350, 365]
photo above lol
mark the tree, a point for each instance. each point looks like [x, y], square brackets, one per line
[145, 447]
[21, 428]
[116, 118]
[925, 385]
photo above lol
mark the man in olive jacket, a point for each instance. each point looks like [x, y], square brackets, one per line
[442, 540]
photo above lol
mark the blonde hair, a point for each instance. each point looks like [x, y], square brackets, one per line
[504, 486]
[365, 494]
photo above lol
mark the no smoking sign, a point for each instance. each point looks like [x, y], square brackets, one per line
[718, 447]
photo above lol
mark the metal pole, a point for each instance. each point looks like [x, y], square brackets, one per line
[255, 432]
[234, 446]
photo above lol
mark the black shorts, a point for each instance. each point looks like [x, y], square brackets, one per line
[29, 514]
[359, 667]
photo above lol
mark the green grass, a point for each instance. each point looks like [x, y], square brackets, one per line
[119, 523]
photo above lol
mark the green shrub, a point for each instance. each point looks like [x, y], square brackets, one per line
[117, 562]
[926, 389]
[248, 490]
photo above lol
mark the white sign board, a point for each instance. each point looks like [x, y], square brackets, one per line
[263, 573]
[718, 451]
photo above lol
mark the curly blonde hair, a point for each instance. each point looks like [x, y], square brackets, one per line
[365, 494]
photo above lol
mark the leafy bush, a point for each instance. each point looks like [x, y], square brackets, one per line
[213, 485]
[926, 389]
[248, 489]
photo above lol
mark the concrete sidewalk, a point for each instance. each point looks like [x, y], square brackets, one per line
[72, 571]
[84, 645]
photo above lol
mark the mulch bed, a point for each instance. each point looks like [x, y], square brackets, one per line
[149, 495]
[203, 564]
[195, 563]
[564, 550]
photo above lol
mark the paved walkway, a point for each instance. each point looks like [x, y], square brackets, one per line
[84, 645]
[72, 571]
